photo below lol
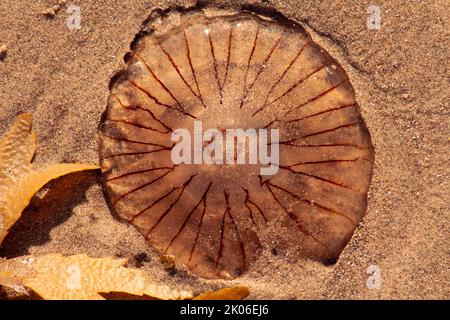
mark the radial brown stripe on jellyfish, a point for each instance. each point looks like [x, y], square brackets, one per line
[202, 70]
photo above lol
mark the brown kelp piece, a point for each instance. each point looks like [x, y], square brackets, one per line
[19, 181]
[234, 71]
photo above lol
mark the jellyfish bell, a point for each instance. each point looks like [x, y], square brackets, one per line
[234, 71]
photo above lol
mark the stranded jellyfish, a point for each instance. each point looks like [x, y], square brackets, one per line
[225, 125]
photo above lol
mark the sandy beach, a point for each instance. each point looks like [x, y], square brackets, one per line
[400, 75]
